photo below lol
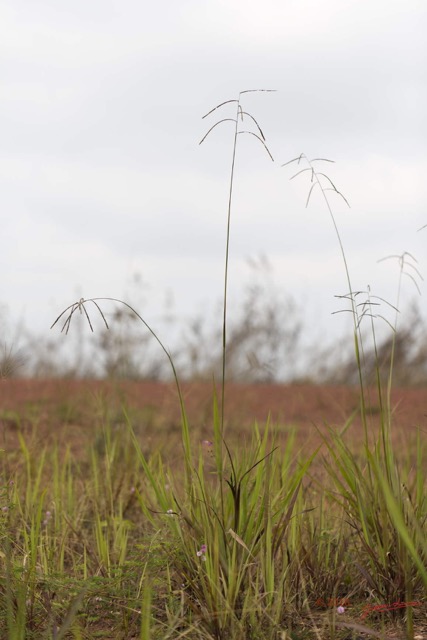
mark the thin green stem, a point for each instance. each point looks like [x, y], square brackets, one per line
[81, 307]
[393, 344]
[227, 254]
[357, 334]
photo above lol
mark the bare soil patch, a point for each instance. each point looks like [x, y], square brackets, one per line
[74, 409]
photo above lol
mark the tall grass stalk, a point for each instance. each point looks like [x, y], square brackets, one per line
[406, 268]
[258, 134]
[81, 307]
[316, 181]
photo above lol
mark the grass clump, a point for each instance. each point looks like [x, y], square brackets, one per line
[254, 541]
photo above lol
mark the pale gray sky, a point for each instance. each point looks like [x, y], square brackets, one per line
[101, 175]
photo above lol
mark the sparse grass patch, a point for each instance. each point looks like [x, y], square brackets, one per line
[117, 530]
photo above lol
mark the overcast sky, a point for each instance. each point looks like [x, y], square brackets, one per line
[102, 175]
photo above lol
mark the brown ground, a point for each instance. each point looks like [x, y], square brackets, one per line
[74, 409]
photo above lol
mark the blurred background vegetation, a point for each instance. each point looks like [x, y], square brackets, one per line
[268, 341]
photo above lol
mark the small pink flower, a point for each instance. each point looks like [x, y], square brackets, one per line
[48, 516]
[201, 553]
[340, 610]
